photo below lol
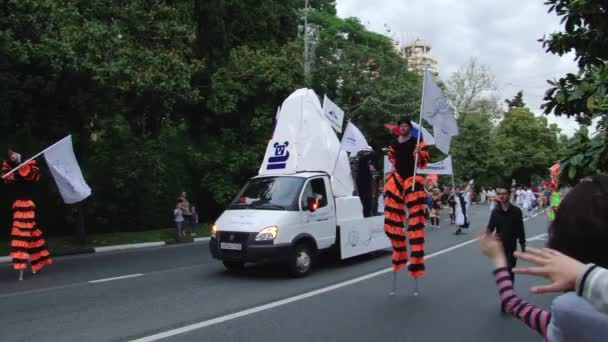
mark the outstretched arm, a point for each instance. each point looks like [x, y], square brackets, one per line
[531, 315]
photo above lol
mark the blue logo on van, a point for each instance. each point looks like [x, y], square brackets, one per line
[281, 155]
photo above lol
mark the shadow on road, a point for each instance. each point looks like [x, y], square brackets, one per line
[325, 264]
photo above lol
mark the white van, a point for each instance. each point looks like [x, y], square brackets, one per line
[290, 219]
[301, 202]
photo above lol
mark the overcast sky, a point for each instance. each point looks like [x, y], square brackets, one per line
[501, 34]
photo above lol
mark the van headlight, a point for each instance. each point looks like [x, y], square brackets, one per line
[213, 232]
[267, 234]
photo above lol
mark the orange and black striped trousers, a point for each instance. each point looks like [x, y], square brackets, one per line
[27, 244]
[397, 195]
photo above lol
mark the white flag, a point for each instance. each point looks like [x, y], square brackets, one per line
[443, 167]
[443, 139]
[353, 140]
[333, 113]
[437, 112]
[64, 168]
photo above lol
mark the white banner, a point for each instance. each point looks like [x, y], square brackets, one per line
[353, 140]
[437, 112]
[66, 172]
[333, 113]
[443, 167]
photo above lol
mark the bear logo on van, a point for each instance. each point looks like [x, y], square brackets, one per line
[281, 155]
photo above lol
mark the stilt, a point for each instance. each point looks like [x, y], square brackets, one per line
[416, 293]
[20, 275]
[394, 290]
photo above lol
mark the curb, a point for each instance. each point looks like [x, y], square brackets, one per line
[90, 250]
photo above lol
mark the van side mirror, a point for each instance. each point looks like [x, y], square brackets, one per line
[312, 204]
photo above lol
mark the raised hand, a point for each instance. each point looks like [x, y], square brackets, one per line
[561, 269]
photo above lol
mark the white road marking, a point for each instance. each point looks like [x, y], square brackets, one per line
[129, 246]
[115, 278]
[285, 301]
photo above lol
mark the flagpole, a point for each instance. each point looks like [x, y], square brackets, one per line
[32, 158]
[419, 128]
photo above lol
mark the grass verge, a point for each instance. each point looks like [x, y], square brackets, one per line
[62, 243]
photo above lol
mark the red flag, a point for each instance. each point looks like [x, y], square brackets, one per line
[393, 128]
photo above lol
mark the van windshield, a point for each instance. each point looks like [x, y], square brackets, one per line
[269, 193]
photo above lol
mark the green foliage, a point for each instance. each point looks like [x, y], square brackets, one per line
[584, 156]
[361, 71]
[473, 150]
[223, 25]
[585, 94]
[525, 145]
[165, 96]
[517, 101]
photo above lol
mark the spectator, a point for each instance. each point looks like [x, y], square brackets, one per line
[178, 218]
[580, 230]
[187, 213]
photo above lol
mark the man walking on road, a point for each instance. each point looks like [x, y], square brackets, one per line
[507, 222]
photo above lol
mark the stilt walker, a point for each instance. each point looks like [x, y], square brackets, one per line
[27, 244]
[402, 189]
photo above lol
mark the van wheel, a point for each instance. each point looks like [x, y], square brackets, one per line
[300, 263]
[234, 265]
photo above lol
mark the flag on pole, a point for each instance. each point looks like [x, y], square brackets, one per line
[333, 113]
[353, 140]
[437, 112]
[66, 172]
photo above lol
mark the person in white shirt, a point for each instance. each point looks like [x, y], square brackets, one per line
[519, 198]
[178, 218]
[484, 196]
[492, 199]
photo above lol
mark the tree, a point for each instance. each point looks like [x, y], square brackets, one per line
[361, 71]
[473, 149]
[164, 96]
[114, 75]
[583, 156]
[468, 86]
[223, 25]
[583, 95]
[517, 101]
[526, 145]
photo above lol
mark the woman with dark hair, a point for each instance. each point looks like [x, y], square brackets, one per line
[580, 231]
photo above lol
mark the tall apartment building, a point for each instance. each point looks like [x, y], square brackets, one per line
[418, 54]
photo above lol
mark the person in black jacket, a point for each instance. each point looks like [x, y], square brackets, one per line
[364, 180]
[506, 221]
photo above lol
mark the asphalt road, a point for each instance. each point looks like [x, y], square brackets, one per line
[181, 292]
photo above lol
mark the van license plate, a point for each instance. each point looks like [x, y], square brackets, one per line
[231, 246]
